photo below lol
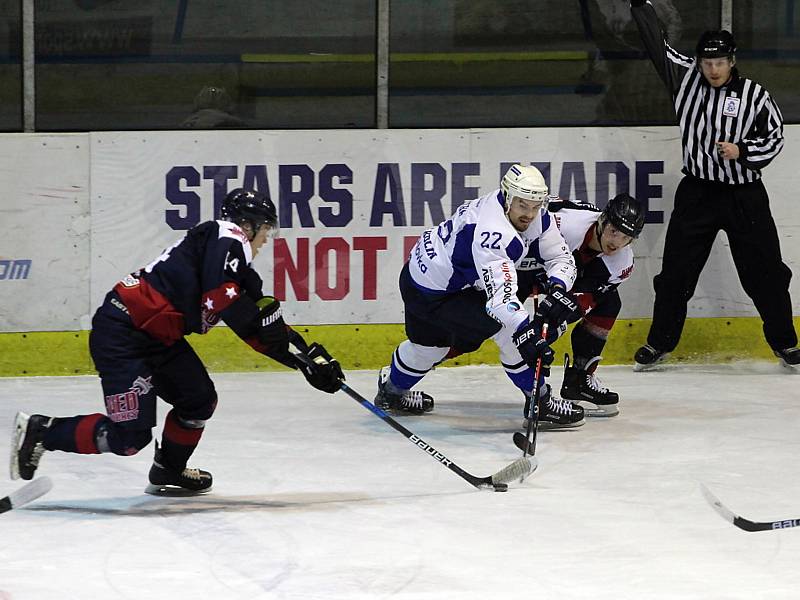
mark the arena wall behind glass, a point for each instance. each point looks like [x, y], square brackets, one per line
[158, 64]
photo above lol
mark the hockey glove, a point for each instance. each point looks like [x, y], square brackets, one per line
[321, 370]
[557, 308]
[272, 331]
[528, 340]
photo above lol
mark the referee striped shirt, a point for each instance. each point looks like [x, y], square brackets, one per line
[741, 112]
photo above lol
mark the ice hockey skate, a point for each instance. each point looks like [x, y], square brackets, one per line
[647, 358]
[413, 402]
[790, 357]
[555, 413]
[584, 388]
[27, 444]
[168, 482]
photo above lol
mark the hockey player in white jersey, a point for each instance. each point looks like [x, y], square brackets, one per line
[459, 289]
[600, 243]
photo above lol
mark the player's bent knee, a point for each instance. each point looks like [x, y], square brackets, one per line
[195, 415]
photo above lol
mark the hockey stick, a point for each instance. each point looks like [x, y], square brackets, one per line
[527, 443]
[27, 493]
[741, 522]
[519, 469]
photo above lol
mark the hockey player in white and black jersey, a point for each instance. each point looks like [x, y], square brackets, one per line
[731, 129]
[600, 243]
[459, 289]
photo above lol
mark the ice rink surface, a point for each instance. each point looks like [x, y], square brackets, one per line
[315, 497]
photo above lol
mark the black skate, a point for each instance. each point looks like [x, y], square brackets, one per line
[412, 402]
[583, 387]
[790, 357]
[27, 444]
[167, 482]
[555, 413]
[647, 357]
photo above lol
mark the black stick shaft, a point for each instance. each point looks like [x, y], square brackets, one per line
[533, 409]
[478, 482]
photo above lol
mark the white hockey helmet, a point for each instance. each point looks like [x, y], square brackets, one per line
[524, 181]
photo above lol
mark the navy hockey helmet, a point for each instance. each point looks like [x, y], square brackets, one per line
[625, 213]
[251, 207]
[716, 44]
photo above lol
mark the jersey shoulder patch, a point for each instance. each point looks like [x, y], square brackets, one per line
[234, 232]
[619, 264]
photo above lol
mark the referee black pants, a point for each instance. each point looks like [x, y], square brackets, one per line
[702, 208]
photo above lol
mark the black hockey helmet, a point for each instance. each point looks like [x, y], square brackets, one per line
[248, 206]
[716, 44]
[625, 213]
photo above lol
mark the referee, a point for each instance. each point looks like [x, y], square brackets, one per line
[730, 130]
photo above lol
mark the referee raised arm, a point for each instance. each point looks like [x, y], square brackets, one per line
[730, 130]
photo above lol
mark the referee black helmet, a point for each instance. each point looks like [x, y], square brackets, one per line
[716, 44]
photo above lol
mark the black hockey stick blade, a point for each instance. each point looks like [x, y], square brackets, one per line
[27, 493]
[741, 522]
[523, 442]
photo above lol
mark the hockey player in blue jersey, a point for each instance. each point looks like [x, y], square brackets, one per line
[139, 348]
[459, 289]
[600, 243]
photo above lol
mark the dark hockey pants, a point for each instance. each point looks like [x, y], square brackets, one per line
[702, 209]
[134, 369]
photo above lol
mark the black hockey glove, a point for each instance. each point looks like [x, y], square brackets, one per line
[272, 331]
[321, 370]
[532, 346]
[557, 308]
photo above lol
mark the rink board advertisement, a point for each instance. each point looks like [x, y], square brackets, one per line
[83, 210]
[44, 246]
[351, 203]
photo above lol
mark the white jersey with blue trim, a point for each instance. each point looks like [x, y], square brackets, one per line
[479, 247]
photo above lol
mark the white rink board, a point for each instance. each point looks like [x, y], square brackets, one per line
[44, 246]
[86, 209]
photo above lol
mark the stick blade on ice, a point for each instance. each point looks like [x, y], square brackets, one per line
[517, 470]
[27, 493]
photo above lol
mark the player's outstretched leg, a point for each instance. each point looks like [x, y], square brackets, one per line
[27, 444]
[392, 398]
[648, 357]
[555, 413]
[165, 480]
[581, 385]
